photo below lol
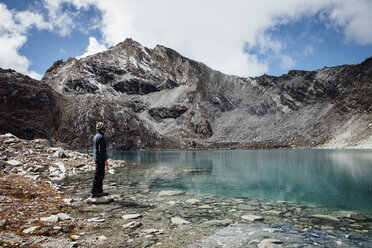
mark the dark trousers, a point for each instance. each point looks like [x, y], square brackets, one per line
[99, 175]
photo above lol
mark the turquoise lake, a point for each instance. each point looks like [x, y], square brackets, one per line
[340, 179]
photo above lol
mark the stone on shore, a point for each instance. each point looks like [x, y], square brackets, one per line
[251, 217]
[171, 193]
[131, 216]
[100, 200]
[14, 162]
[325, 217]
[179, 221]
[131, 225]
[31, 229]
[52, 219]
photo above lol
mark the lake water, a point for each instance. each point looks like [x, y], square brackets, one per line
[340, 179]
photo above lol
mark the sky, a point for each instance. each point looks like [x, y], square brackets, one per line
[239, 37]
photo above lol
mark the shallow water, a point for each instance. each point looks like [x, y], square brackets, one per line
[337, 179]
[217, 189]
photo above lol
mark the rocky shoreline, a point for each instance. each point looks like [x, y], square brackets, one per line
[33, 209]
[42, 205]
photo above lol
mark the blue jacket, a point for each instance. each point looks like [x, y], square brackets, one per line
[99, 147]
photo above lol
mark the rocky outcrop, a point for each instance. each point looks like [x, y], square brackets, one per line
[158, 99]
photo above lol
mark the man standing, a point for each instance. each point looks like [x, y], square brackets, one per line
[100, 158]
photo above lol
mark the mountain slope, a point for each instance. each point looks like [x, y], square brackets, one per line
[158, 99]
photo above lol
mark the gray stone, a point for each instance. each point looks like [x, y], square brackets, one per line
[171, 193]
[192, 201]
[96, 219]
[31, 229]
[100, 200]
[179, 221]
[14, 162]
[251, 217]
[131, 216]
[63, 216]
[132, 225]
[325, 217]
[52, 219]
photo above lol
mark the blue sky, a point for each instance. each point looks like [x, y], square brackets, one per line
[245, 38]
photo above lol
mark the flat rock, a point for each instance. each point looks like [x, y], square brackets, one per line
[131, 216]
[14, 162]
[251, 217]
[325, 217]
[171, 193]
[179, 221]
[270, 243]
[52, 219]
[31, 229]
[131, 225]
[192, 201]
[96, 219]
[99, 200]
[63, 216]
[225, 222]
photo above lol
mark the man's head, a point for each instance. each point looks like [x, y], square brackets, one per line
[100, 127]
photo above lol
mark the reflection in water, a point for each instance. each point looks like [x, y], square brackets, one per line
[333, 178]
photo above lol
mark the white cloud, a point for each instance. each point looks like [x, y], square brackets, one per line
[287, 62]
[308, 50]
[35, 75]
[215, 32]
[93, 47]
[13, 35]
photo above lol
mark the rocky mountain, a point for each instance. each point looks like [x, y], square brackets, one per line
[158, 99]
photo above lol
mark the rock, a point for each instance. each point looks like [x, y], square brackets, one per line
[100, 200]
[11, 141]
[14, 162]
[102, 238]
[74, 244]
[74, 237]
[96, 220]
[252, 217]
[152, 231]
[192, 201]
[131, 216]
[132, 225]
[61, 167]
[325, 217]
[270, 243]
[179, 221]
[31, 229]
[52, 219]
[205, 207]
[171, 193]
[111, 171]
[218, 222]
[63, 216]
[274, 212]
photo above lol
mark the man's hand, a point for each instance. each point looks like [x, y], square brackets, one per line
[106, 163]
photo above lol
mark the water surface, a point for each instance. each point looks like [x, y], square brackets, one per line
[340, 179]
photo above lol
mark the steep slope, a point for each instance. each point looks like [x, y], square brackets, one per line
[158, 99]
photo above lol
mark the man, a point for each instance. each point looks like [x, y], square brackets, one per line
[100, 158]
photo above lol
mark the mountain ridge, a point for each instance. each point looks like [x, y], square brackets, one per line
[158, 99]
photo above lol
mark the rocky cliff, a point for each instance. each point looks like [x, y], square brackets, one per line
[158, 99]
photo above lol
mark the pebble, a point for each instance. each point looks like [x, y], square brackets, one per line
[179, 221]
[52, 219]
[132, 225]
[99, 200]
[171, 193]
[192, 201]
[31, 229]
[325, 217]
[96, 220]
[14, 162]
[252, 218]
[131, 216]
[63, 216]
